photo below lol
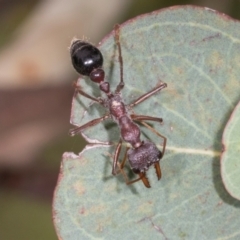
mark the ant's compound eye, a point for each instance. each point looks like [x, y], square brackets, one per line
[85, 57]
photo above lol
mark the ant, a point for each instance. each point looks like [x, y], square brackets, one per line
[88, 61]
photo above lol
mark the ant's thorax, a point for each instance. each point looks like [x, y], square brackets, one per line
[130, 131]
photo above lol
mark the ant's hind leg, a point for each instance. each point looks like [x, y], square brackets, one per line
[80, 91]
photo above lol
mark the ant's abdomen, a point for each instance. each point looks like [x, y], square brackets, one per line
[85, 57]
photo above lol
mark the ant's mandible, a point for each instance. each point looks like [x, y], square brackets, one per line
[88, 61]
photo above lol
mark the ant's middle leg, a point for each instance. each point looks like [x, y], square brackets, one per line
[94, 122]
[121, 83]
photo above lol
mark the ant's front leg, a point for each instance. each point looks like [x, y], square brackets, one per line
[142, 118]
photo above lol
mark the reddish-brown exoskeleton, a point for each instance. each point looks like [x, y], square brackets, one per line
[88, 61]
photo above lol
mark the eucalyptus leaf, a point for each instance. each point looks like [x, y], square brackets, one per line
[196, 51]
[230, 160]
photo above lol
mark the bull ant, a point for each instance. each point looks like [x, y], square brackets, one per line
[88, 61]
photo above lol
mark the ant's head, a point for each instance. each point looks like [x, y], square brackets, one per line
[87, 60]
[143, 157]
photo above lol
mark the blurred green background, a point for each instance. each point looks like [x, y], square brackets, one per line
[35, 97]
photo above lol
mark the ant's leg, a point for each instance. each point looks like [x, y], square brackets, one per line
[157, 133]
[144, 117]
[124, 159]
[140, 118]
[121, 84]
[76, 130]
[116, 156]
[147, 95]
[80, 91]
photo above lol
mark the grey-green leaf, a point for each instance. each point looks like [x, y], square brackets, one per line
[230, 161]
[196, 51]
